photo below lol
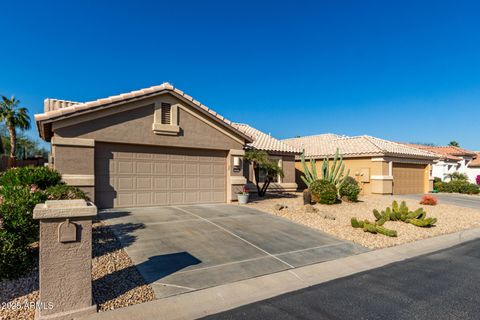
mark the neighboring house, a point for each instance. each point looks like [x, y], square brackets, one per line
[156, 146]
[380, 166]
[276, 150]
[473, 169]
[452, 159]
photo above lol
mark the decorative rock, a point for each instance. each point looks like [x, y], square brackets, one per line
[310, 209]
[329, 216]
[280, 207]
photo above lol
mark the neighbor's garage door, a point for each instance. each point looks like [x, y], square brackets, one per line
[408, 178]
[132, 175]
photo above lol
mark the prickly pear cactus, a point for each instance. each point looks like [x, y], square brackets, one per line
[386, 232]
[395, 206]
[377, 214]
[396, 213]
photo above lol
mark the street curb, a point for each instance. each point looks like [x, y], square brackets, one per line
[213, 300]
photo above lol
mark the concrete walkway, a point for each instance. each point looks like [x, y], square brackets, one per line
[179, 249]
[213, 300]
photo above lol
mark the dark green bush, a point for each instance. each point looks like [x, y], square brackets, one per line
[16, 256]
[350, 180]
[458, 186]
[350, 191]
[43, 177]
[323, 191]
[21, 189]
[18, 229]
[65, 192]
[17, 210]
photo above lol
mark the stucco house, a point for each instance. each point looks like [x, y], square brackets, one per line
[155, 146]
[277, 151]
[452, 159]
[380, 166]
[473, 169]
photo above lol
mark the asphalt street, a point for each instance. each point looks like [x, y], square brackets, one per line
[461, 200]
[440, 285]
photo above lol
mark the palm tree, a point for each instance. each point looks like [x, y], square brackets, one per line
[14, 117]
[454, 143]
[456, 176]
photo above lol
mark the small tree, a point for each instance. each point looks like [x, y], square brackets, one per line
[456, 176]
[14, 117]
[261, 161]
[454, 143]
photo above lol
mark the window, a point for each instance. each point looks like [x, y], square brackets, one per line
[166, 113]
[262, 173]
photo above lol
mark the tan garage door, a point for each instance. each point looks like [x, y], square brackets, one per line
[408, 178]
[132, 175]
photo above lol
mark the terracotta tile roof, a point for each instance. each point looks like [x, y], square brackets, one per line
[475, 163]
[263, 141]
[326, 145]
[446, 152]
[55, 108]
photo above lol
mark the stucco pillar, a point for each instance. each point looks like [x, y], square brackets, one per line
[235, 175]
[428, 179]
[65, 259]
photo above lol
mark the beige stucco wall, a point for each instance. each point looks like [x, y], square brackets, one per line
[76, 163]
[288, 165]
[357, 166]
[134, 126]
[74, 159]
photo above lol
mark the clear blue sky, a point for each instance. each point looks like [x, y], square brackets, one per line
[400, 70]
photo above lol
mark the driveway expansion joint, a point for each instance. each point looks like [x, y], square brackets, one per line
[235, 235]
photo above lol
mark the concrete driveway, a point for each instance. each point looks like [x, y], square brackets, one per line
[185, 248]
[456, 199]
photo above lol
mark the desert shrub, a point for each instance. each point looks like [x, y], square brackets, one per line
[20, 191]
[43, 177]
[323, 191]
[349, 189]
[458, 186]
[18, 229]
[429, 200]
[65, 192]
[351, 180]
[15, 255]
[16, 210]
[478, 180]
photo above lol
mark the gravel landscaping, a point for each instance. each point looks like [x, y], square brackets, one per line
[335, 219]
[116, 281]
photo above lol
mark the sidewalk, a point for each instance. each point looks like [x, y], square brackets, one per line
[221, 298]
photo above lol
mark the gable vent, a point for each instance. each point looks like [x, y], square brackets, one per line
[166, 113]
